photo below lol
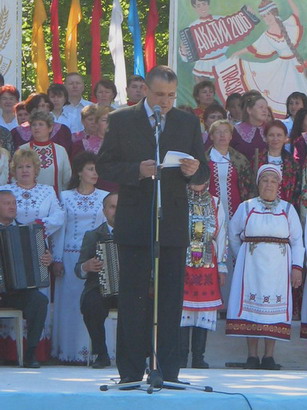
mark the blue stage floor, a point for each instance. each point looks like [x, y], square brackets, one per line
[77, 388]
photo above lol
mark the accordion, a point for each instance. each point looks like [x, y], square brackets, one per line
[208, 36]
[21, 249]
[109, 275]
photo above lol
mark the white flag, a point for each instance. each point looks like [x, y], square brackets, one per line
[117, 51]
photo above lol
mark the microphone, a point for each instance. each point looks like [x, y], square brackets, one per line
[157, 114]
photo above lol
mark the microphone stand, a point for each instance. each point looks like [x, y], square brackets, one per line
[155, 379]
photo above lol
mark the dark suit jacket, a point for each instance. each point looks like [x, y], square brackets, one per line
[130, 140]
[88, 251]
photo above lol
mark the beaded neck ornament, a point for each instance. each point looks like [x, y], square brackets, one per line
[269, 205]
[202, 227]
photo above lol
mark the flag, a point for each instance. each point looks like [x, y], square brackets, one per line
[150, 46]
[74, 19]
[96, 43]
[54, 27]
[134, 27]
[38, 47]
[117, 51]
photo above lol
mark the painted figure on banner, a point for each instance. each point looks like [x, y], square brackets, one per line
[280, 41]
[244, 49]
[206, 40]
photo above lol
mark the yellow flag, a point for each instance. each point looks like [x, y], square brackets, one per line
[74, 19]
[38, 47]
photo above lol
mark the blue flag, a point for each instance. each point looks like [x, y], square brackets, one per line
[134, 27]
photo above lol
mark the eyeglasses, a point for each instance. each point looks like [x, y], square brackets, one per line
[158, 94]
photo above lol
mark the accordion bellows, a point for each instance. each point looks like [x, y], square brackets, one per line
[21, 249]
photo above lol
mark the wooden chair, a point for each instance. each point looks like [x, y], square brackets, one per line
[10, 313]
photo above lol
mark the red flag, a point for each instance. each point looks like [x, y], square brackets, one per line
[150, 44]
[96, 44]
[56, 59]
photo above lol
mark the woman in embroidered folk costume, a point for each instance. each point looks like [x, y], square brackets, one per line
[55, 165]
[36, 203]
[276, 137]
[205, 271]
[82, 205]
[231, 179]
[249, 134]
[59, 134]
[290, 188]
[266, 236]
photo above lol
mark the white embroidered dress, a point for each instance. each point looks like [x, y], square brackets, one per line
[82, 213]
[276, 79]
[260, 301]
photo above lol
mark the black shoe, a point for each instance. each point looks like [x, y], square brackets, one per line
[177, 381]
[252, 363]
[101, 362]
[126, 380]
[32, 364]
[268, 363]
[199, 364]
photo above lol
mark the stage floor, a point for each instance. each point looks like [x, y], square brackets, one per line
[76, 388]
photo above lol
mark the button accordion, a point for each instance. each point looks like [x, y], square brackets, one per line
[21, 249]
[109, 275]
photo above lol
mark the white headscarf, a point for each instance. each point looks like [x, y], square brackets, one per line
[268, 168]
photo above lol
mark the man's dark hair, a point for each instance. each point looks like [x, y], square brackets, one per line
[163, 72]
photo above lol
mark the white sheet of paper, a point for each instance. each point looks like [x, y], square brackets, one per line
[172, 159]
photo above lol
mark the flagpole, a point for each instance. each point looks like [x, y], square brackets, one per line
[172, 44]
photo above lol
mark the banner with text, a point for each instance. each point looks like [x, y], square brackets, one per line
[240, 45]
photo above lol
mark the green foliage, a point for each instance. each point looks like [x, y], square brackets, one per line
[84, 38]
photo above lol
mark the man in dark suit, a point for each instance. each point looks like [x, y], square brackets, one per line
[128, 158]
[31, 301]
[94, 307]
